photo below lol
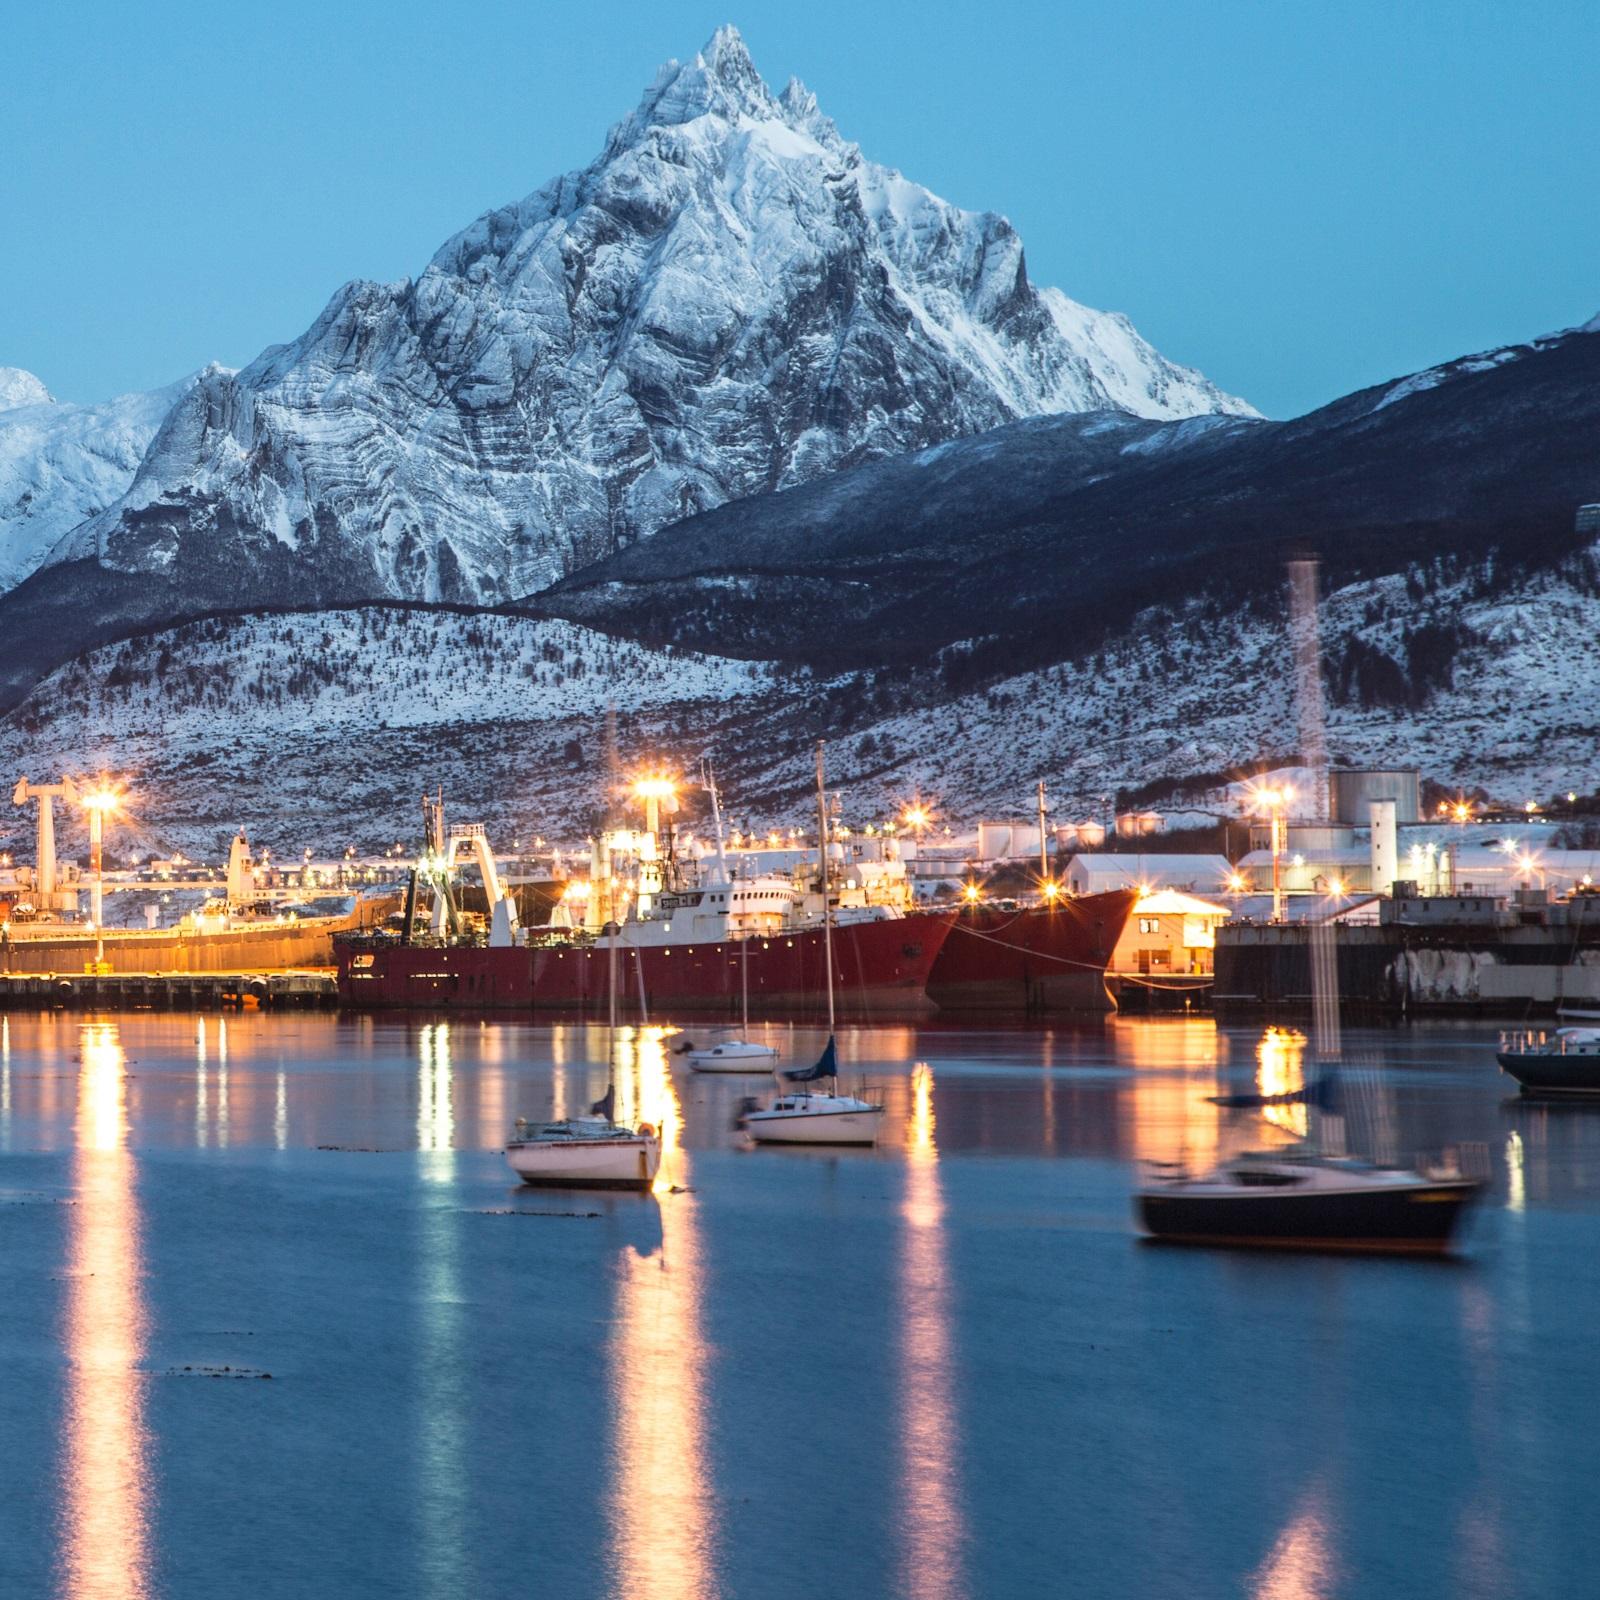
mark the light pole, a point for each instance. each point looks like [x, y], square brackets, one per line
[98, 803]
[1275, 800]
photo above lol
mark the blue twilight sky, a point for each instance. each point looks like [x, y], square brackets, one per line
[1298, 198]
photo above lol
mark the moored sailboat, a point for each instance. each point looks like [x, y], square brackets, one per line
[592, 1152]
[739, 1053]
[818, 1116]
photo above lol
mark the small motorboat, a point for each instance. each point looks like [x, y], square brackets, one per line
[730, 1055]
[1564, 1061]
[1303, 1200]
[591, 1152]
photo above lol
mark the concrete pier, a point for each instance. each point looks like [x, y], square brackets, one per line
[165, 991]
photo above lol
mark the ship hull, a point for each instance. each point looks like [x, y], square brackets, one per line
[1419, 1219]
[879, 967]
[586, 1164]
[1553, 1074]
[1045, 958]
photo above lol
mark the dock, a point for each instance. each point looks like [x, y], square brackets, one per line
[167, 991]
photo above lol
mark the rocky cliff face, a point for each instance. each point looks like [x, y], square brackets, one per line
[61, 464]
[730, 299]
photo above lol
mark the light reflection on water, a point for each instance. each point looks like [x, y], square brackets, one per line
[441, 1379]
[989, 1240]
[1280, 1069]
[106, 1493]
[661, 1504]
[930, 1484]
[1302, 1564]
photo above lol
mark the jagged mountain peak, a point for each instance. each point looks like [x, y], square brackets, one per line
[20, 388]
[729, 299]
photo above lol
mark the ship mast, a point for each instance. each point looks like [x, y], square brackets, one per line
[1044, 853]
[822, 863]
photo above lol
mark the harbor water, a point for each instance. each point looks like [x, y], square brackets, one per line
[947, 1367]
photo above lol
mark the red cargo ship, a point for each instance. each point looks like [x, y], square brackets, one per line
[1049, 957]
[879, 966]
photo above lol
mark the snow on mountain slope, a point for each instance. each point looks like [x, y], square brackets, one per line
[1193, 695]
[322, 728]
[60, 464]
[317, 727]
[729, 299]
[19, 388]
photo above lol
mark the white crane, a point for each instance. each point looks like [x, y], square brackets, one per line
[46, 794]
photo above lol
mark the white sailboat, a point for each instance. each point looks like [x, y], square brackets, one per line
[818, 1116]
[740, 1053]
[592, 1152]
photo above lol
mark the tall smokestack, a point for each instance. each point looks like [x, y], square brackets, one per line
[1307, 640]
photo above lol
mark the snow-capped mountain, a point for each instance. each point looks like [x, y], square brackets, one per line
[728, 300]
[60, 464]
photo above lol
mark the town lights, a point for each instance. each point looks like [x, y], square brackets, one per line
[658, 793]
[1274, 801]
[1236, 882]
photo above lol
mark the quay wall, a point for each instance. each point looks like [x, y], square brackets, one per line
[1401, 969]
[272, 947]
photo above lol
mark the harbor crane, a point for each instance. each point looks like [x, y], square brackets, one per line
[46, 794]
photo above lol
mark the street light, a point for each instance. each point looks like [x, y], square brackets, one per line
[99, 802]
[1275, 800]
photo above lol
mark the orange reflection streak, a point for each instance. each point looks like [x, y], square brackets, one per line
[1176, 1062]
[661, 1508]
[1280, 1069]
[932, 1532]
[105, 1517]
[1301, 1565]
[645, 1093]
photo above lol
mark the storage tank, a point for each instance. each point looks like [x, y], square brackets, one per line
[1385, 847]
[1351, 791]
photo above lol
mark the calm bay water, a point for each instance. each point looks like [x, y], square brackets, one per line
[939, 1369]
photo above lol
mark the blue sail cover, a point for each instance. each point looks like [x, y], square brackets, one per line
[606, 1106]
[826, 1066]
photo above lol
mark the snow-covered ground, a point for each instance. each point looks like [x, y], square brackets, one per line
[323, 728]
[1173, 700]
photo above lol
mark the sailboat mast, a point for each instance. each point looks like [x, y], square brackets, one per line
[716, 817]
[822, 864]
[1044, 852]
